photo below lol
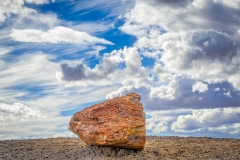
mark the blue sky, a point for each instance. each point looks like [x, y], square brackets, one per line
[60, 56]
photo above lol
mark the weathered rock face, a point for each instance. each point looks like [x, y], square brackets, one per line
[117, 122]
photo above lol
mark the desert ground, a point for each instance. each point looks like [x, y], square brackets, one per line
[155, 148]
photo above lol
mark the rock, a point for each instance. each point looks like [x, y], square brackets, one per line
[119, 122]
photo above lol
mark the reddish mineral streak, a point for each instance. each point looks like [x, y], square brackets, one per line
[119, 122]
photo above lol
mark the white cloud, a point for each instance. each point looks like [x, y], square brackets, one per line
[164, 92]
[131, 85]
[195, 122]
[205, 118]
[132, 60]
[37, 1]
[13, 7]
[111, 8]
[231, 3]
[217, 89]
[56, 35]
[228, 128]
[93, 27]
[160, 120]
[36, 67]
[203, 47]
[156, 125]
[64, 134]
[189, 56]
[234, 79]
[228, 94]
[200, 87]
[177, 93]
[5, 50]
[35, 128]
[39, 87]
[109, 70]
[105, 70]
[19, 112]
[148, 13]
[185, 124]
[163, 74]
[29, 80]
[38, 80]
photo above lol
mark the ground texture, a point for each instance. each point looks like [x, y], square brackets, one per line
[155, 148]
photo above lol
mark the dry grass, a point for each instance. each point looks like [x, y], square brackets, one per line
[155, 148]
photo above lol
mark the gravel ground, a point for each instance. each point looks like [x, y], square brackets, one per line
[155, 148]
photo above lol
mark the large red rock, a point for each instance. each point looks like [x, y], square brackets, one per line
[117, 122]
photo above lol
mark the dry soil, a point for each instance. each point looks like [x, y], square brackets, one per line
[155, 148]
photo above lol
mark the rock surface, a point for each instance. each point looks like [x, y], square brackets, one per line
[119, 122]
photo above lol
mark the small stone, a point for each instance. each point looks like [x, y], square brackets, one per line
[119, 122]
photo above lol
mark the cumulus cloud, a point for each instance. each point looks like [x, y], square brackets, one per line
[176, 94]
[13, 7]
[200, 87]
[19, 112]
[108, 68]
[164, 92]
[156, 125]
[195, 55]
[132, 60]
[129, 85]
[150, 14]
[227, 128]
[228, 94]
[224, 121]
[101, 71]
[56, 35]
[204, 46]
[153, 97]
[205, 118]
[163, 74]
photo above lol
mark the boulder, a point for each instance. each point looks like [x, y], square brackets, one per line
[118, 122]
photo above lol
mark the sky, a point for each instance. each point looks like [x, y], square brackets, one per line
[60, 56]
